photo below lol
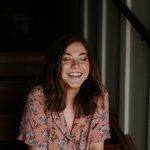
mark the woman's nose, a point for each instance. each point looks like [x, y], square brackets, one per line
[75, 64]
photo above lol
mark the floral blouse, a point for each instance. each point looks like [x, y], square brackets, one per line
[48, 130]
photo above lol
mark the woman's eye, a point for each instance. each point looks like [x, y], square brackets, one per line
[83, 59]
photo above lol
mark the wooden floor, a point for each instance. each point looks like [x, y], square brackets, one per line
[17, 73]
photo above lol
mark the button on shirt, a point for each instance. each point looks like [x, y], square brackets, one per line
[49, 130]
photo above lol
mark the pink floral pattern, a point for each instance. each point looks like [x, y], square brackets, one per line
[48, 130]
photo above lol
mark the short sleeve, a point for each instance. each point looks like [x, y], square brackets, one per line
[33, 127]
[100, 122]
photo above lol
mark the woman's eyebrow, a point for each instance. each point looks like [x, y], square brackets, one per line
[67, 54]
[84, 53]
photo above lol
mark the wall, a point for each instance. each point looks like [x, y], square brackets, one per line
[140, 65]
[112, 55]
[134, 77]
[140, 54]
[127, 71]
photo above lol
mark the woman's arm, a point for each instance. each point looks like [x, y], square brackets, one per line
[97, 146]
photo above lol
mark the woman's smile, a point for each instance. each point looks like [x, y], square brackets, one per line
[75, 74]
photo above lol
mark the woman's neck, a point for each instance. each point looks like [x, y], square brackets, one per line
[71, 93]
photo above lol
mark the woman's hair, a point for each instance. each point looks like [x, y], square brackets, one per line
[53, 87]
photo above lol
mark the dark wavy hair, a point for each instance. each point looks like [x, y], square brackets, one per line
[54, 89]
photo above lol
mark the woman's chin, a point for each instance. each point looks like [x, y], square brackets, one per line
[74, 86]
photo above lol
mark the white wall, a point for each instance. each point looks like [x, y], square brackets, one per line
[128, 60]
[140, 55]
[140, 67]
[136, 55]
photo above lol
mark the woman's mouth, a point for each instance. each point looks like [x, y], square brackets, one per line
[74, 74]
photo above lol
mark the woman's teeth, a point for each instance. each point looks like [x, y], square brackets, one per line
[75, 74]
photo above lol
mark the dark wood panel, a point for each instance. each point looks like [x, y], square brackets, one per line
[17, 73]
[14, 88]
[9, 126]
[20, 64]
[22, 57]
[18, 70]
[113, 146]
[12, 145]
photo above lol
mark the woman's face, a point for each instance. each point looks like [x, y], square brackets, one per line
[75, 65]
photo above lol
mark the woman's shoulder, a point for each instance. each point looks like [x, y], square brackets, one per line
[103, 97]
[104, 91]
[36, 93]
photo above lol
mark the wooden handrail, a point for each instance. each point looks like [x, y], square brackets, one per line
[125, 140]
[140, 28]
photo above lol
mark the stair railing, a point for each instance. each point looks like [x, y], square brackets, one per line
[137, 24]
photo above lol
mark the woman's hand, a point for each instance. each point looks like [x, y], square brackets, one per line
[97, 146]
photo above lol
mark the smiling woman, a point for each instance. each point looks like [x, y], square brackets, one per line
[67, 108]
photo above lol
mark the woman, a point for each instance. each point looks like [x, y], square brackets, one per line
[67, 109]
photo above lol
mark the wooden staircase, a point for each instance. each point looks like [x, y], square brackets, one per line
[17, 73]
